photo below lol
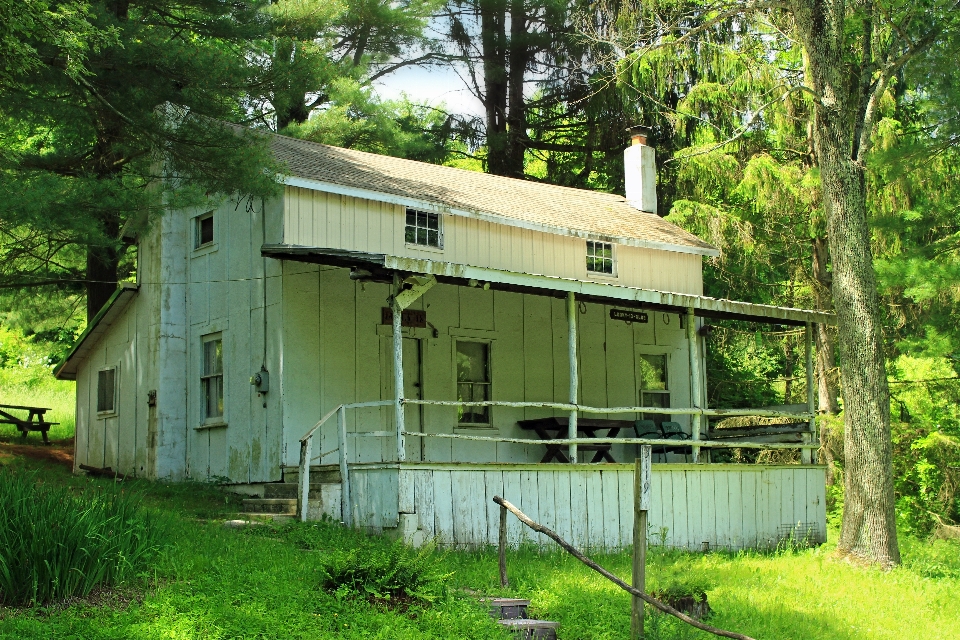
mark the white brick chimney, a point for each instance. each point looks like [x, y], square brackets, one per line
[640, 172]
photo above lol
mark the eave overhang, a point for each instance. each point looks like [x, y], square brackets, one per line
[381, 265]
[100, 324]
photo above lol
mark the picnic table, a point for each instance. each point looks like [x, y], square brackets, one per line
[33, 422]
[555, 428]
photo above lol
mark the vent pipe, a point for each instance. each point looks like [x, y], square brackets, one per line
[640, 177]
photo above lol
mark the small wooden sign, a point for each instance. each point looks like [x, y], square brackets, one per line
[408, 317]
[629, 315]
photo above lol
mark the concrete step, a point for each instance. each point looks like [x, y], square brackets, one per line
[256, 518]
[280, 506]
[289, 491]
[508, 608]
[317, 476]
[532, 629]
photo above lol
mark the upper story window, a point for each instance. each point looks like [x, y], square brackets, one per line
[599, 257]
[204, 230]
[211, 378]
[107, 390]
[423, 228]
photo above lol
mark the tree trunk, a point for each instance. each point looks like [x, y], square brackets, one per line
[827, 382]
[868, 529]
[828, 388]
[516, 101]
[494, 39]
[102, 276]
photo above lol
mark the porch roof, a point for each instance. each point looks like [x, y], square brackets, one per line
[382, 266]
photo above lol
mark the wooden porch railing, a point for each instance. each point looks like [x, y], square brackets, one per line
[306, 442]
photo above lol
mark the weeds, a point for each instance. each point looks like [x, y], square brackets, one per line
[55, 545]
[356, 564]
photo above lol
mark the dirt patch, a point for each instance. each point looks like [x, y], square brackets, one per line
[60, 452]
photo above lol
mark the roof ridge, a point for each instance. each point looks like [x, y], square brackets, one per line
[487, 176]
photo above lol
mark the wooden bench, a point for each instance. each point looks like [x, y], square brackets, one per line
[33, 422]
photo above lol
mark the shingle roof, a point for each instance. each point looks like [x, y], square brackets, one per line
[512, 201]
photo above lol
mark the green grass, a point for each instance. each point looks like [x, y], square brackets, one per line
[35, 386]
[210, 582]
[59, 545]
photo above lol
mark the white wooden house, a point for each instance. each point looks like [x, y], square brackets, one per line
[251, 320]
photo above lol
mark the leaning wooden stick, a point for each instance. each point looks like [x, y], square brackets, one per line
[539, 528]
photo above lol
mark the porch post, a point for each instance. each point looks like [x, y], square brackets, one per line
[574, 381]
[694, 379]
[398, 369]
[806, 455]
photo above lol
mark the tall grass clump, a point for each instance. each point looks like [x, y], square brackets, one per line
[55, 545]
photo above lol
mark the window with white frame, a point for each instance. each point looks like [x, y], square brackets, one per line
[473, 382]
[211, 378]
[423, 228]
[107, 390]
[599, 257]
[654, 390]
[204, 230]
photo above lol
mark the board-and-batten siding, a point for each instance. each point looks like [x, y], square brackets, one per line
[318, 219]
[337, 351]
[727, 506]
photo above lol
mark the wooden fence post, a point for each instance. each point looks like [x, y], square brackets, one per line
[641, 504]
[306, 454]
[503, 547]
[574, 374]
[806, 455]
[345, 503]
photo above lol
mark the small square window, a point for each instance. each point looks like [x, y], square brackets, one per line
[423, 228]
[107, 390]
[211, 377]
[599, 257]
[204, 230]
[473, 382]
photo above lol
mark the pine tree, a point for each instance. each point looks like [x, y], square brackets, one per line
[88, 140]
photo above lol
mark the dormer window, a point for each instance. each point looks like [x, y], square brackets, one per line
[599, 257]
[423, 228]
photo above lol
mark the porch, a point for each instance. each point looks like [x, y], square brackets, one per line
[386, 448]
[694, 506]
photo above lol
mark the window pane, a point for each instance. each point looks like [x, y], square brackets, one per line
[433, 221]
[212, 357]
[410, 235]
[411, 217]
[421, 235]
[421, 219]
[106, 390]
[433, 238]
[654, 399]
[205, 230]
[653, 372]
[472, 362]
[469, 392]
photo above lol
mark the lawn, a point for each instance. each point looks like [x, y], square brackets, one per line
[213, 582]
[34, 387]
